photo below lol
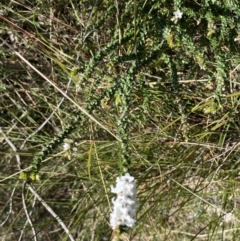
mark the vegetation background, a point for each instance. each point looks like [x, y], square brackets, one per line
[90, 89]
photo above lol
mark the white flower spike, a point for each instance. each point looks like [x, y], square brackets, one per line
[125, 204]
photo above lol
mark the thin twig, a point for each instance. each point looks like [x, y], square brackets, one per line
[30, 213]
[66, 96]
[202, 199]
[50, 210]
[10, 205]
[13, 148]
[62, 92]
[46, 121]
[26, 212]
[33, 191]
[14, 174]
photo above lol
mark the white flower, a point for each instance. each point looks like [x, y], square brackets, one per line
[178, 14]
[229, 217]
[66, 146]
[124, 205]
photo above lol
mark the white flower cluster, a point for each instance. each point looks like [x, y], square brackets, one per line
[125, 205]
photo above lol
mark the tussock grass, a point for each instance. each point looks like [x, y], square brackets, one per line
[130, 88]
